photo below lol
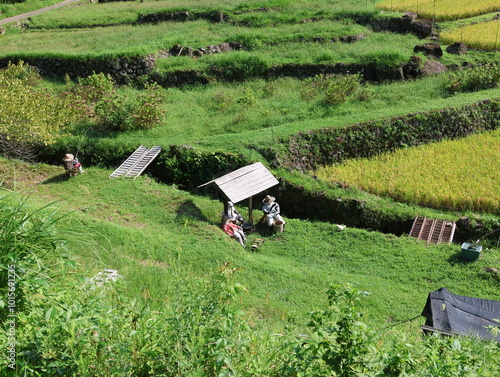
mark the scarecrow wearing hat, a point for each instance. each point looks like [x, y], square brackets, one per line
[271, 211]
[71, 164]
[235, 231]
[232, 213]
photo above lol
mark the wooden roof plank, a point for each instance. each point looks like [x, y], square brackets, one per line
[250, 183]
[240, 173]
[245, 182]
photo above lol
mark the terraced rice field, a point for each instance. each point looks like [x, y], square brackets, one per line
[442, 10]
[457, 175]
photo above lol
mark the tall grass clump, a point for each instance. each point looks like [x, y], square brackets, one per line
[29, 245]
[334, 89]
[239, 65]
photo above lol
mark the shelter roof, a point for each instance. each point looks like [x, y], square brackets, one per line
[245, 182]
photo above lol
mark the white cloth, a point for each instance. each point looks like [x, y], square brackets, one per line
[272, 212]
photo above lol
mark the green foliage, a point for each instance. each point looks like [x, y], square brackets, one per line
[189, 167]
[77, 328]
[30, 117]
[239, 65]
[387, 59]
[28, 246]
[473, 79]
[23, 72]
[119, 112]
[95, 87]
[339, 342]
[334, 89]
[145, 111]
[343, 87]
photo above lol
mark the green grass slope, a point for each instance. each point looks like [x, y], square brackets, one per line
[144, 229]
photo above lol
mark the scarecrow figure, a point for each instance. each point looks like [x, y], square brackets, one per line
[71, 165]
[235, 231]
[233, 214]
[271, 211]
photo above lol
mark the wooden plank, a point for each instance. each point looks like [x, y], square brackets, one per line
[239, 193]
[235, 174]
[240, 172]
[417, 226]
[245, 182]
[248, 186]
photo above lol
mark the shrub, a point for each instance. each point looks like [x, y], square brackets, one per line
[28, 244]
[340, 89]
[474, 79]
[30, 117]
[95, 87]
[145, 110]
[339, 343]
[335, 89]
[119, 112]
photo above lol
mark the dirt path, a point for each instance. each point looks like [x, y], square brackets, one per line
[32, 13]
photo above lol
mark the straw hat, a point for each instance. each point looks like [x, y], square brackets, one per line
[68, 157]
[268, 199]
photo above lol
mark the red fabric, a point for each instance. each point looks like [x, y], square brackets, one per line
[230, 228]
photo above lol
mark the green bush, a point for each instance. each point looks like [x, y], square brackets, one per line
[334, 89]
[95, 87]
[116, 112]
[29, 247]
[30, 117]
[473, 79]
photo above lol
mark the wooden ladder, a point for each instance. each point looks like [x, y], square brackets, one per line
[432, 231]
[137, 162]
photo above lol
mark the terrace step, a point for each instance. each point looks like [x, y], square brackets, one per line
[137, 162]
[432, 231]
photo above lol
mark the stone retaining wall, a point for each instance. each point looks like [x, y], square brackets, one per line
[124, 70]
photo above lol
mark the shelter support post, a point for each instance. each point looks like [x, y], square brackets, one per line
[250, 210]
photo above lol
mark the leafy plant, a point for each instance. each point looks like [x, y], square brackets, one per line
[335, 89]
[30, 117]
[339, 342]
[473, 79]
[28, 241]
[145, 111]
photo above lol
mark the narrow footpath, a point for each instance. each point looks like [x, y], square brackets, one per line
[35, 12]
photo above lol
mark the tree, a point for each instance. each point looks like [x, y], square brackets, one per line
[30, 117]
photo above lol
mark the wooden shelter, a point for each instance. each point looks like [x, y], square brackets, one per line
[243, 183]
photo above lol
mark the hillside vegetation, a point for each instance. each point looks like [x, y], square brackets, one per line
[306, 84]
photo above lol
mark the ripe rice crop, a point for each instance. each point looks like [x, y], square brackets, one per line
[455, 174]
[442, 10]
[484, 36]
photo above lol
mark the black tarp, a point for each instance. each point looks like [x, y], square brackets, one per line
[461, 314]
